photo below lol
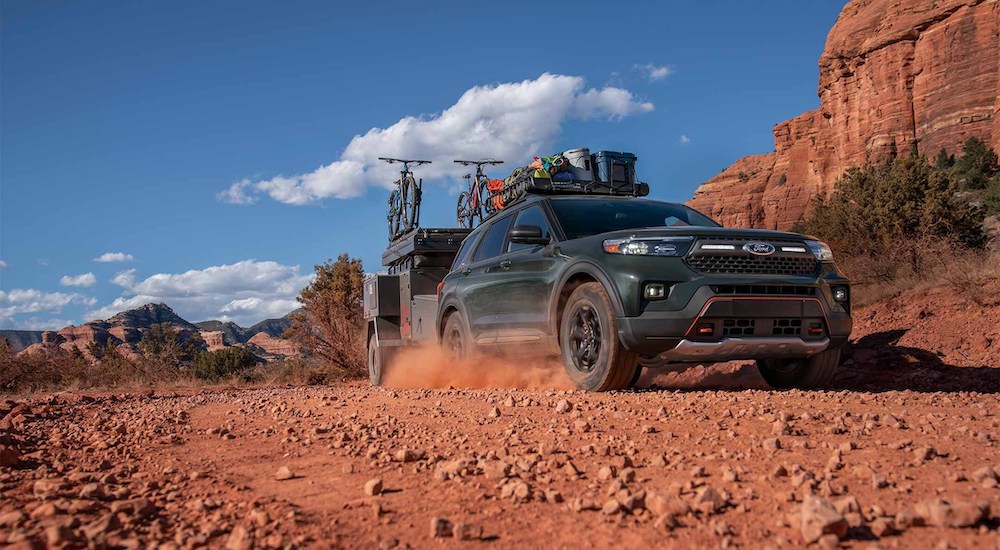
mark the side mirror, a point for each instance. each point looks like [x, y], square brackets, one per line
[527, 234]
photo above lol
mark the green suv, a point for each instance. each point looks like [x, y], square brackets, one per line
[617, 284]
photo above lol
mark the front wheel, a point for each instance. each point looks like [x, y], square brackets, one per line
[592, 354]
[811, 373]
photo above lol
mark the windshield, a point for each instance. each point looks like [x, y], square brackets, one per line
[582, 217]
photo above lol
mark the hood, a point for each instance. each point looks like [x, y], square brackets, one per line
[711, 232]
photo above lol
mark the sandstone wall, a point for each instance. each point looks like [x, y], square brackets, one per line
[896, 77]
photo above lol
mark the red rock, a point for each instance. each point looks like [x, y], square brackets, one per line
[214, 339]
[52, 337]
[9, 456]
[942, 513]
[129, 335]
[819, 518]
[894, 77]
[275, 346]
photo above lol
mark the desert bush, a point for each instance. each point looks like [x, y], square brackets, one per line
[976, 167]
[163, 343]
[875, 207]
[56, 369]
[905, 222]
[222, 363]
[296, 371]
[331, 323]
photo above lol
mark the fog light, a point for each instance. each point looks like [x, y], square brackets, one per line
[840, 294]
[655, 291]
[706, 329]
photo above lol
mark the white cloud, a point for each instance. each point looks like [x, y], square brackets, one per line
[684, 140]
[244, 292]
[655, 73]
[114, 257]
[3, 265]
[37, 323]
[124, 279]
[509, 121]
[21, 301]
[237, 193]
[82, 280]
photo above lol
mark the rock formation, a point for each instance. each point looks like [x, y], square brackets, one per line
[895, 77]
[275, 346]
[213, 339]
[125, 331]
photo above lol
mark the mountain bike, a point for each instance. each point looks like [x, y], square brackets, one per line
[404, 201]
[475, 202]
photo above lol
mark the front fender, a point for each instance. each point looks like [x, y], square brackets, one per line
[592, 270]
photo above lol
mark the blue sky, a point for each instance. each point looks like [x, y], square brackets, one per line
[123, 125]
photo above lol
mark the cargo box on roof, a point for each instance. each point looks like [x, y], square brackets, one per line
[614, 167]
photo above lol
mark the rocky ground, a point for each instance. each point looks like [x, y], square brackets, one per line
[354, 466]
[903, 453]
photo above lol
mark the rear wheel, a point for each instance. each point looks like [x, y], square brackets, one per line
[378, 358]
[592, 354]
[465, 215]
[811, 373]
[454, 340]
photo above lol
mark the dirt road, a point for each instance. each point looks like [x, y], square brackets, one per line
[359, 467]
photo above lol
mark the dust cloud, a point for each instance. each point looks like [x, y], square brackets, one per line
[417, 367]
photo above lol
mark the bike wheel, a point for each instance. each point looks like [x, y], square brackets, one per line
[393, 216]
[485, 201]
[410, 204]
[464, 215]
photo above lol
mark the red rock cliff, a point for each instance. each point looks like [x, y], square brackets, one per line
[896, 76]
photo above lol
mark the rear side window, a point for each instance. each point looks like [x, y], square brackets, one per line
[492, 242]
[464, 251]
[531, 216]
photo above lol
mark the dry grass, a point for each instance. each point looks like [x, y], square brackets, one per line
[921, 264]
[59, 370]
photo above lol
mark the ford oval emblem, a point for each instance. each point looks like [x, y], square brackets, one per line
[759, 249]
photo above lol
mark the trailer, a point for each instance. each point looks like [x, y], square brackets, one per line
[400, 304]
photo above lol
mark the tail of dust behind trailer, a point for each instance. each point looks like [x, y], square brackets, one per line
[400, 305]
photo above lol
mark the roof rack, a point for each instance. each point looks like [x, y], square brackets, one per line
[527, 184]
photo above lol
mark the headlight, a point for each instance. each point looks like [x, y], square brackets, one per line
[820, 250]
[652, 246]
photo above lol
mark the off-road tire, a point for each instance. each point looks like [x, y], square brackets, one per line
[378, 358]
[455, 340]
[813, 373]
[588, 320]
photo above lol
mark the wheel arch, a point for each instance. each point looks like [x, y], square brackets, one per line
[574, 276]
[449, 308]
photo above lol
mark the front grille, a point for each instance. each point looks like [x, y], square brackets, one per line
[766, 290]
[719, 264]
[786, 327]
[735, 328]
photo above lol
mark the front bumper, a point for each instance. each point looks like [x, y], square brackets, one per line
[712, 328]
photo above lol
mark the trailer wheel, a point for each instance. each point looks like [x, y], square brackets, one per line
[593, 355]
[454, 340]
[378, 357]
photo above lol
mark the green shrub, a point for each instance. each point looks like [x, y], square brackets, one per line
[991, 197]
[331, 323]
[977, 165]
[876, 207]
[222, 363]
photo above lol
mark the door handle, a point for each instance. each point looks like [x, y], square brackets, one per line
[466, 271]
[505, 264]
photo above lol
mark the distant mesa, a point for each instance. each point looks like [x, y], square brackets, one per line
[894, 78]
[125, 330]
